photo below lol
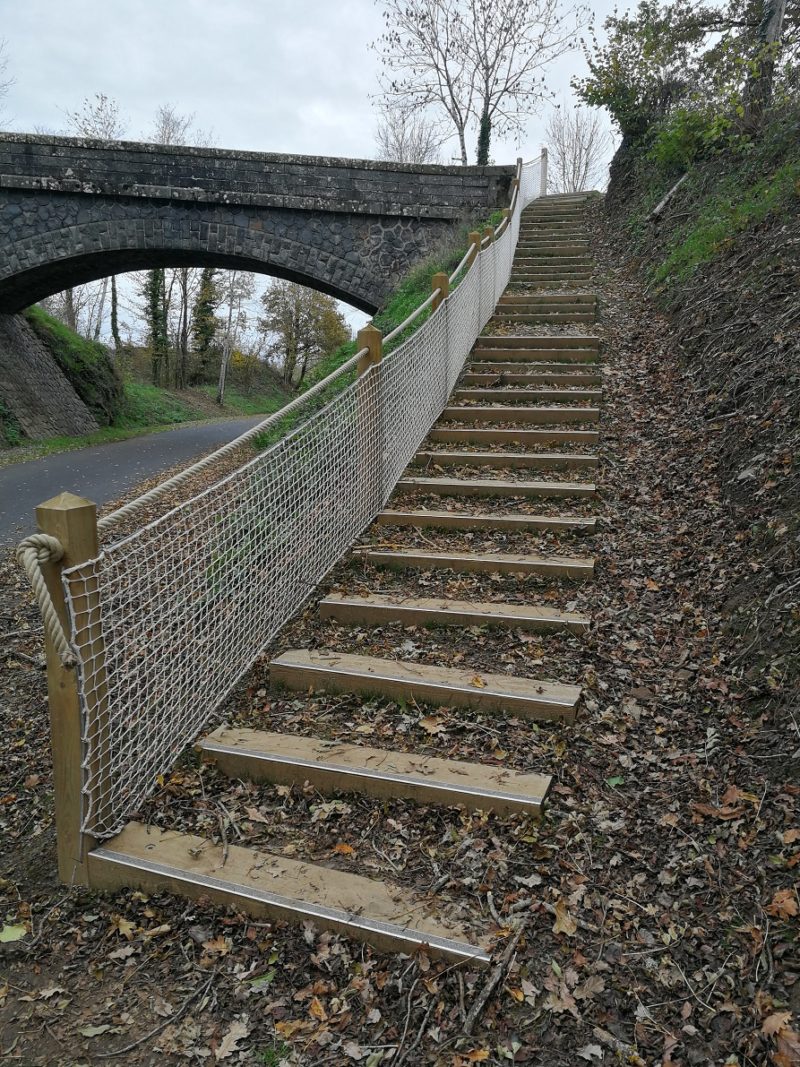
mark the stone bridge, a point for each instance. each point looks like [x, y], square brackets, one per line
[74, 210]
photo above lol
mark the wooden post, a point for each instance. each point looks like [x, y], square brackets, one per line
[543, 175]
[475, 246]
[73, 521]
[371, 338]
[370, 428]
[488, 232]
[442, 283]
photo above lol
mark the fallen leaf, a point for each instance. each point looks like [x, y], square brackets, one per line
[254, 815]
[478, 682]
[218, 946]
[12, 933]
[316, 1009]
[784, 904]
[433, 724]
[227, 1046]
[564, 923]
[344, 849]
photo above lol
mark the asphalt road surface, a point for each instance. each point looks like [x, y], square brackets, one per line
[103, 472]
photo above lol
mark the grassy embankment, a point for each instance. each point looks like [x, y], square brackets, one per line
[123, 409]
[412, 291]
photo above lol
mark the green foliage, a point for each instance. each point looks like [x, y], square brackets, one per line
[484, 140]
[147, 405]
[728, 213]
[204, 323]
[688, 135]
[648, 64]
[10, 431]
[86, 365]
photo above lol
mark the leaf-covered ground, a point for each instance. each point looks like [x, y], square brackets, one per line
[652, 914]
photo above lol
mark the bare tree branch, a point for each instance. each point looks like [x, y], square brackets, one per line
[579, 149]
[404, 136]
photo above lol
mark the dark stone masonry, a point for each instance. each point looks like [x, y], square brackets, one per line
[74, 210]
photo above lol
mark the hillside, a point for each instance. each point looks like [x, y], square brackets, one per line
[722, 263]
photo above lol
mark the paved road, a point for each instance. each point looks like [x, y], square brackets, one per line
[102, 472]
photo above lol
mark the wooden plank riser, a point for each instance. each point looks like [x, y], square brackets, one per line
[541, 416]
[347, 613]
[192, 867]
[522, 395]
[506, 460]
[480, 435]
[496, 376]
[441, 520]
[489, 491]
[425, 781]
[420, 692]
[400, 561]
[579, 341]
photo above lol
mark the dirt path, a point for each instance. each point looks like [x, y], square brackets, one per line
[658, 892]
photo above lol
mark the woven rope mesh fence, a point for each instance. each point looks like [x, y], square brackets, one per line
[166, 621]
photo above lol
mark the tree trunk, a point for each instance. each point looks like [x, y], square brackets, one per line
[758, 89]
[484, 139]
[115, 315]
[69, 310]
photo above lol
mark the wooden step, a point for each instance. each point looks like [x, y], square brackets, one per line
[493, 487]
[487, 375]
[532, 342]
[520, 413]
[553, 298]
[508, 460]
[264, 885]
[481, 435]
[574, 568]
[543, 318]
[333, 766]
[524, 355]
[379, 609]
[458, 520]
[302, 670]
[527, 396]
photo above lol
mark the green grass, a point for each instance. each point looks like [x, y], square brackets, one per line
[725, 215]
[86, 364]
[261, 404]
[147, 405]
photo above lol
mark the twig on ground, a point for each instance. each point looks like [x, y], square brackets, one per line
[498, 971]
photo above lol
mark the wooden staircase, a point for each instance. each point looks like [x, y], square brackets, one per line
[475, 475]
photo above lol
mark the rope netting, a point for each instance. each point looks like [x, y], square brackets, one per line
[166, 621]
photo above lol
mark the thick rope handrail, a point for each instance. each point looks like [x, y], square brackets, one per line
[34, 551]
[460, 266]
[109, 521]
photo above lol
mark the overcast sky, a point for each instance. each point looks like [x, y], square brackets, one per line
[261, 74]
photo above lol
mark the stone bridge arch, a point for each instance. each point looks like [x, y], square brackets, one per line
[73, 210]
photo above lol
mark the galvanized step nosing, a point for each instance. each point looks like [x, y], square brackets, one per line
[359, 778]
[359, 926]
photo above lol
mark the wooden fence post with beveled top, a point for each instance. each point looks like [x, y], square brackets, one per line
[474, 239]
[73, 522]
[370, 435]
[442, 283]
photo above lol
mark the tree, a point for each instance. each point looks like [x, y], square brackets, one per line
[716, 61]
[402, 136]
[477, 62]
[204, 324]
[237, 288]
[579, 147]
[301, 326]
[156, 314]
[100, 117]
